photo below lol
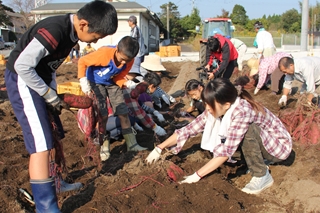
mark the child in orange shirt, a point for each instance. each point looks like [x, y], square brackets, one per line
[104, 72]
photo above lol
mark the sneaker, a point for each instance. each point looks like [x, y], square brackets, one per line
[258, 184]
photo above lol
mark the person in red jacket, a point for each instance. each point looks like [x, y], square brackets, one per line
[226, 55]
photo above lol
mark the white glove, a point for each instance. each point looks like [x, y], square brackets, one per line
[256, 91]
[159, 116]
[172, 99]
[54, 102]
[51, 97]
[165, 99]
[154, 155]
[259, 56]
[131, 84]
[137, 127]
[85, 85]
[159, 130]
[283, 100]
[191, 178]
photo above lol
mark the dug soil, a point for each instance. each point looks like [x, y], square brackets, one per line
[124, 183]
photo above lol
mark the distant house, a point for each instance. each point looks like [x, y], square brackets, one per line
[148, 21]
[18, 26]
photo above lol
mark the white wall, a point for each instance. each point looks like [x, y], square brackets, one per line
[123, 30]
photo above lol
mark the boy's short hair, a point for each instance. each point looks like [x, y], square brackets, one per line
[128, 46]
[101, 17]
[152, 78]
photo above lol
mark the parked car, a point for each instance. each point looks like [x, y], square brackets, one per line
[2, 45]
[9, 45]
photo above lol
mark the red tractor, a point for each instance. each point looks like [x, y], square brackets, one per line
[212, 26]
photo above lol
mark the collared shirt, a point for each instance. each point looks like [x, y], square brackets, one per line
[237, 43]
[306, 70]
[275, 138]
[159, 95]
[136, 33]
[268, 65]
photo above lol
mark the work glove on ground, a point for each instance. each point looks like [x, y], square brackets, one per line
[54, 102]
[256, 91]
[191, 178]
[159, 130]
[154, 155]
[283, 100]
[159, 116]
[85, 85]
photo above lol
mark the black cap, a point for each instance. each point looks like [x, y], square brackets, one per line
[258, 25]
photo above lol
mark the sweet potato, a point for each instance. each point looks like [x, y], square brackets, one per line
[314, 133]
[76, 101]
[174, 172]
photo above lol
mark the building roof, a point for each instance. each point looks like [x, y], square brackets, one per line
[121, 7]
[52, 8]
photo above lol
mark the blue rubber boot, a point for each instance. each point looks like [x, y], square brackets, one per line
[44, 195]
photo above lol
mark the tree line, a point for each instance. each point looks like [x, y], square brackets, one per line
[288, 22]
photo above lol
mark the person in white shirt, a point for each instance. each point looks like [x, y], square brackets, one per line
[305, 70]
[263, 41]
[241, 48]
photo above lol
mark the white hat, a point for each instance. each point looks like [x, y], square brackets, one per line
[253, 64]
[153, 63]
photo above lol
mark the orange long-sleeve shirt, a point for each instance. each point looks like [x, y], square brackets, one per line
[104, 57]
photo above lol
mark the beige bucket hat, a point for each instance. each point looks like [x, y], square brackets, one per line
[253, 64]
[153, 63]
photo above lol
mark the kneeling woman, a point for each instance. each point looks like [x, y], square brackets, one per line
[233, 118]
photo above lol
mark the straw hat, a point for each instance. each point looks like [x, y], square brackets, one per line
[152, 63]
[253, 64]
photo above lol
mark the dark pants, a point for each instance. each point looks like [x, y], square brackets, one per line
[229, 70]
[276, 83]
[254, 152]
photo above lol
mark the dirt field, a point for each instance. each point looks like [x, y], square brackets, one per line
[126, 184]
